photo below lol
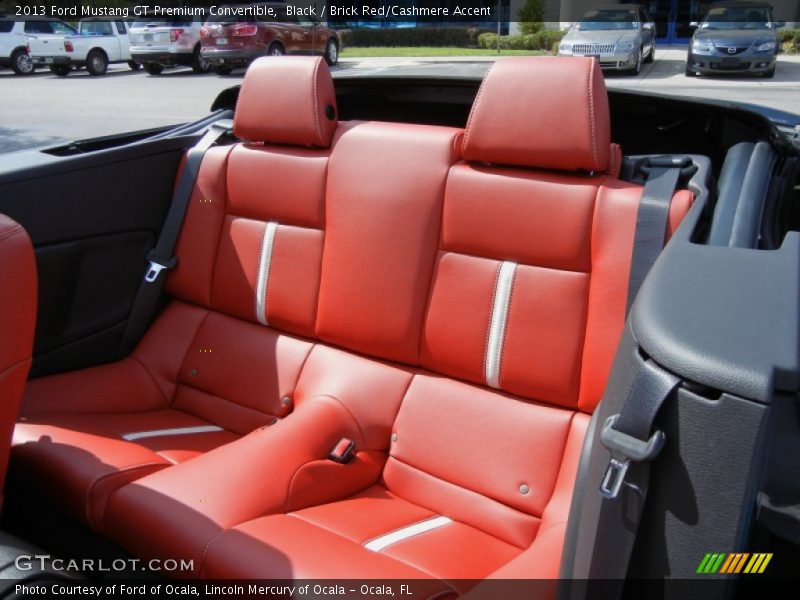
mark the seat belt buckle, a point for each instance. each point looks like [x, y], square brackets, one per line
[624, 449]
[614, 477]
[155, 266]
[343, 452]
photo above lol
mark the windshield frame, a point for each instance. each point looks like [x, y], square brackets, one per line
[590, 18]
[728, 25]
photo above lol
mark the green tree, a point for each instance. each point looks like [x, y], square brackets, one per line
[531, 16]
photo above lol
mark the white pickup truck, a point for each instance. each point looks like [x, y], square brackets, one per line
[97, 44]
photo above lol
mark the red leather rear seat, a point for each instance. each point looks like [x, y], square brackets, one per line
[207, 371]
[500, 282]
[457, 320]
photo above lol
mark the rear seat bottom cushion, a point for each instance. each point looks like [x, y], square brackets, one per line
[83, 458]
[372, 534]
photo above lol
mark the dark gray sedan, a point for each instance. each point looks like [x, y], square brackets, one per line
[735, 37]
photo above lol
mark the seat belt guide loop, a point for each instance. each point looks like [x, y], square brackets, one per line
[624, 449]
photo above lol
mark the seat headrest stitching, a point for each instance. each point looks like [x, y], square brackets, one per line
[315, 107]
[475, 105]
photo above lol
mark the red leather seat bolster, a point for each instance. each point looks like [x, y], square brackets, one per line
[121, 387]
[613, 231]
[17, 322]
[18, 300]
[542, 559]
[147, 380]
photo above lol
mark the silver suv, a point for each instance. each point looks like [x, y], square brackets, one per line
[156, 44]
[620, 36]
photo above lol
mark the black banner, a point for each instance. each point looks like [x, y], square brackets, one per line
[711, 587]
[372, 13]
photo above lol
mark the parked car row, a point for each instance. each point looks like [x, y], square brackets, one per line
[734, 37]
[222, 44]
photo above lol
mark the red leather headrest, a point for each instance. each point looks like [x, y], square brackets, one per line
[287, 100]
[545, 112]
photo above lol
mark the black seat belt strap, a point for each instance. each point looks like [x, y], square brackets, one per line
[633, 444]
[663, 174]
[629, 435]
[161, 258]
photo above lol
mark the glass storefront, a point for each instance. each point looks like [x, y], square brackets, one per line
[673, 17]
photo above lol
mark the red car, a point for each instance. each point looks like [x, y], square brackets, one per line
[236, 39]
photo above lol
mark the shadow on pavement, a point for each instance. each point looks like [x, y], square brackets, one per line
[8, 74]
[83, 73]
[12, 139]
[180, 72]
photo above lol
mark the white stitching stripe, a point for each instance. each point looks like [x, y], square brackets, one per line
[398, 535]
[265, 260]
[139, 435]
[497, 325]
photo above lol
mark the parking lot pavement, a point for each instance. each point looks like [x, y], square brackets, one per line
[47, 109]
[666, 75]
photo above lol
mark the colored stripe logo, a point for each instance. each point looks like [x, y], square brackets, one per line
[734, 562]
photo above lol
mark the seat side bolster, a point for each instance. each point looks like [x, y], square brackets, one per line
[119, 387]
[19, 298]
[163, 349]
[542, 559]
[144, 381]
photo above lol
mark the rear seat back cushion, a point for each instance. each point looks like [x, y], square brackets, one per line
[383, 214]
[251, 245]
[531, 277]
